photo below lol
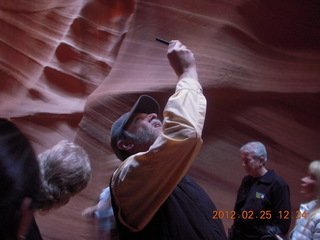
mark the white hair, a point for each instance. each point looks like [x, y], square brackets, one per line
[65, 171]
[257, 149]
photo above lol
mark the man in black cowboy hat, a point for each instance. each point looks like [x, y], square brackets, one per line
[151, 196]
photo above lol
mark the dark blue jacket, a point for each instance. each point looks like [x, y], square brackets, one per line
[185, 215]
[261, 202]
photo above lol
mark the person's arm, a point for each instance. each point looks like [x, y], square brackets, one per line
[316, 234]
[103, 209]
[281, 205]
[145, 180]
[182, 60]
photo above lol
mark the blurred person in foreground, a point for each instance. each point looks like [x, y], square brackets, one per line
[262, 199]
[151, 196]
[307, 225]
[65, 171]
[19, 181]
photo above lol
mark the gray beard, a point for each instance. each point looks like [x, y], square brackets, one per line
[144, 138]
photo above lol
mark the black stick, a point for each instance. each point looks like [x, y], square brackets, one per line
[162, 40]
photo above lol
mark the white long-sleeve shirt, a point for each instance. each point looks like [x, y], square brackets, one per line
[143, 182]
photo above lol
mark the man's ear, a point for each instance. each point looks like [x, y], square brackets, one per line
[261, 160]
[125, 145]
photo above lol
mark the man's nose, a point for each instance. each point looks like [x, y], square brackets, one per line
[152, 116]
